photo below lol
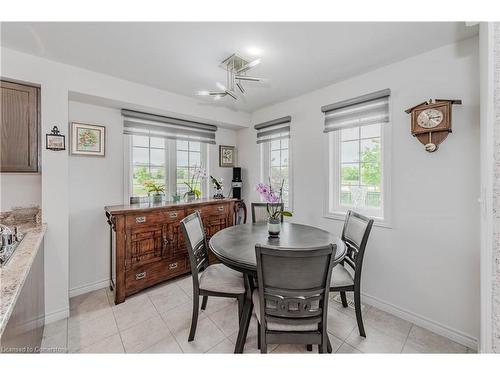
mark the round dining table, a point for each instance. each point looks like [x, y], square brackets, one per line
[235, 247]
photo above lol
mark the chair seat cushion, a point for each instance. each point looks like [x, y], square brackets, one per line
[273, 326]
[219, 278]
[341, 277]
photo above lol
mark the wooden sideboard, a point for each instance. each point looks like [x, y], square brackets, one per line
[147, 245]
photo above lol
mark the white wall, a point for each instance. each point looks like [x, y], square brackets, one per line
[20, 190]
[95, 182]
[426, 267]
[57, 82]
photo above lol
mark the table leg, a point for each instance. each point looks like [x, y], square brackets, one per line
[245, 316]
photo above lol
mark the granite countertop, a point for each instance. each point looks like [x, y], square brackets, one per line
[14, 273]
[152, 206]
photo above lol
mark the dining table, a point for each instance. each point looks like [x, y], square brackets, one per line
[235, 247]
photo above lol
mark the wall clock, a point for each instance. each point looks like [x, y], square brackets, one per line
[431, 121]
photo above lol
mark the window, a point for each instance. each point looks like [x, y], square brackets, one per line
[148, 162]
[166, 162]
[276, 164]
[165, 150]
[188, 160]
[358, 176]
[274, 137]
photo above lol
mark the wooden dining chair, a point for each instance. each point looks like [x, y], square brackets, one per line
[240, 213]
[346, 276]
[260, 214]
[291, 302]
[214, 280]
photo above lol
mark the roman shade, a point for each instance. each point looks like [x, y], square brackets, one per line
[273, 130]
[364, 110]
[145, 124]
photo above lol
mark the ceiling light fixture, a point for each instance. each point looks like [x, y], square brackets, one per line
[236, 68]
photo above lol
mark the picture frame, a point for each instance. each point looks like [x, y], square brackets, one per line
[55, 141]
[88, 139]
[226, 156]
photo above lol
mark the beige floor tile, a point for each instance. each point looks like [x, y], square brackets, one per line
[225, 347]
[168, 297]
[165, 345]
[180, 317]
[186, 284]
[226, 319]
[387, 323]
[56, 328]
[143, 335]
[57, 342]
[335, 342]
[218, 303]
[376, 341]
[85, 332]
[112, 344]
[339, 324]
[207, 336]
[346, 310]
[347, 349]
[421, 340]
[87, 302]
[133, 311]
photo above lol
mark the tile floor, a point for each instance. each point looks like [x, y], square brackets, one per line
[158, 321]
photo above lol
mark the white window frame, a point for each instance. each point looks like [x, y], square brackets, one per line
[265, 168]
[333, 209]
[170, 168]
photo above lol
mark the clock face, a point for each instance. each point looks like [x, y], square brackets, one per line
[430, 118]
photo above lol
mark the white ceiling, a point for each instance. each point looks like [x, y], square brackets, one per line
[184, 57]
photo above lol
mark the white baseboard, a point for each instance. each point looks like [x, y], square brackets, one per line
[88, 288]
[431, 325]
[56, 315]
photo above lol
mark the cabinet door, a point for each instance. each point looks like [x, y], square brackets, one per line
[19, 127]
[174, 244]
[144, 245]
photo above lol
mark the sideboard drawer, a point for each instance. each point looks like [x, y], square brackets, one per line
[213, 209]
[145, 219]
[142, 277]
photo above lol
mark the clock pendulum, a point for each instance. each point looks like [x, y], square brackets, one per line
[430, 147]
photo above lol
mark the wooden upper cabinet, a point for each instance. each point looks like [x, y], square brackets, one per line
[20, 128]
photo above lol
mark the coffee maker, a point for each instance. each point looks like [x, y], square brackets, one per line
[236, 184]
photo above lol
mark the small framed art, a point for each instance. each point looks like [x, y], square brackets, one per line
[87, 139]
[55, 141]
[226, 156]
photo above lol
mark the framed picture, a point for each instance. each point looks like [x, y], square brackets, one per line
[226, 156]
[55, 141]
[87, 139]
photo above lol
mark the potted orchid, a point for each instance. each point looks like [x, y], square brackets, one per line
[194, 191]
[274, 202]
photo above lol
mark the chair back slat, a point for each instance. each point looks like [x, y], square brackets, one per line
[260, 214]
[355, 235]
[293, 283]
[194, 234]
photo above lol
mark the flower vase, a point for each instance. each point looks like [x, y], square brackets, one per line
[274, 227]
[190, 196]
[157, 198]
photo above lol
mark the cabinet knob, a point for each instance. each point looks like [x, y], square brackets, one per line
[140, 219]
[173, 215]
[141, 275]
[172, 266]
[221, 208]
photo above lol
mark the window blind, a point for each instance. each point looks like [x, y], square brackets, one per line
[273, 130]
[145, 124]
[364, 110]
